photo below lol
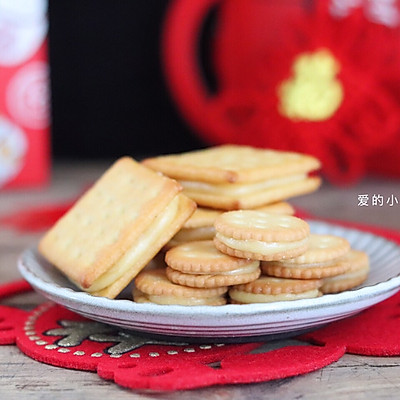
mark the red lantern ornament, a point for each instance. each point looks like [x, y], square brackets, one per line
[313, 80]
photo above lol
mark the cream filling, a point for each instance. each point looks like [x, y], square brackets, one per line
[192, 234]
[183, 301]
[149, 236]
[247, 269]
[244, 297]
[237, 189]
[288, 264]
[348, 275]
[259, 247]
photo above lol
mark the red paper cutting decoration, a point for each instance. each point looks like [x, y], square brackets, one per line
[289, 78]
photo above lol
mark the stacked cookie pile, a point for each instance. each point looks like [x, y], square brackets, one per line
[202, 228]
[235, 177]
[295, 263]
[259, 252]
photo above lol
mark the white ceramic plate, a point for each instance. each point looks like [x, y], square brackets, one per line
[237, 322]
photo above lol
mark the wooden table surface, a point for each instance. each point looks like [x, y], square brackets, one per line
[352, 377]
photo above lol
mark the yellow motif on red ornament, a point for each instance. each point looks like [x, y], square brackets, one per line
[313, 93]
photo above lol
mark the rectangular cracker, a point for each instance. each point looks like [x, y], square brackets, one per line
[185, 207]
[232, 164]
[112, 218]
[256, 199]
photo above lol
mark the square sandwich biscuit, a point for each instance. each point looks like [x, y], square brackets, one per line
[232, 177]
[116, 228]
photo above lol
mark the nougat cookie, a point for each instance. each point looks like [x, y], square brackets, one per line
[116, 227]
[200, 264]
[249, 195]
[324, 257]
[200, 226]
[261, 236]
[268, 289]
[232, 177]
[152, 286]
[353, 277]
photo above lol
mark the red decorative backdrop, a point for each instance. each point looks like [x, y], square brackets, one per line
[254, 53]
[24, 94]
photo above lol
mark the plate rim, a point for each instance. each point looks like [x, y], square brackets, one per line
[128, 306]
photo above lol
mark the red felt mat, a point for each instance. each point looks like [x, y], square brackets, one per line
[35, 219]
[57, 336]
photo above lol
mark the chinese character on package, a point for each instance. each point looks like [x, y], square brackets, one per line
[24, 93]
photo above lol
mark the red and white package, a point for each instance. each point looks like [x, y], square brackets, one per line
[24, 94]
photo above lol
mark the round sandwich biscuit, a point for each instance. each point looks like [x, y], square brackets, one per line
[324, 257]
[260, 236]
[200, 264]
[206, 216]
[200, 226]
[356, 274]
[153, 286]
[268, 289]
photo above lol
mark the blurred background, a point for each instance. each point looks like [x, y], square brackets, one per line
[147, 77]
[108, 91]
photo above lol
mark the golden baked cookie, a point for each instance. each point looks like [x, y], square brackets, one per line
[268, 289]
[353, 277]
[200, 226]
[200, 264]
[324, 257]
[154, 287]
[261, 236]
[233, 177]
[116, 227]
